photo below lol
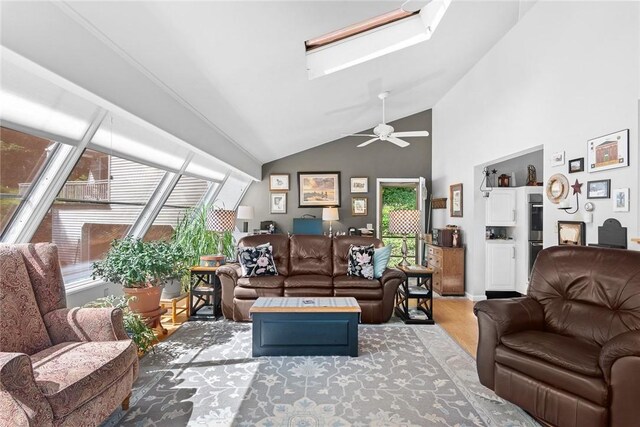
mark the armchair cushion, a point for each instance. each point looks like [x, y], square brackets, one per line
[623, 345]
[85, 324]
[512, 315]
[72, 373]
[23, 330]
[566, 352]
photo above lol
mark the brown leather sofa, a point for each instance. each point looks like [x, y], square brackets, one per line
[569, 352]
[309, 266]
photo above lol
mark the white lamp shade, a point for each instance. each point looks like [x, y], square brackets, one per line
[330, 214]
[245, 212]
[221, 220]
[404, 221]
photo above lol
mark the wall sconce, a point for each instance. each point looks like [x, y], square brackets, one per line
[565, 205]
[485, 185]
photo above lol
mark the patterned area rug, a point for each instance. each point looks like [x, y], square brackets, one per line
[204, 375]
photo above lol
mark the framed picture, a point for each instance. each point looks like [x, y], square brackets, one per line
[318, 189]
[599, 189]
[279, 182]
[576, 165]
[359, 184]
[621, 200]
[557, 159]
[278, 203]
[359, 206]
[455, 194]
[608, 151]
[571, 233]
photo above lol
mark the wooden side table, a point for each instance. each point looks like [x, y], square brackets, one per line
[422, 292]
[205, 294]
[175, 310]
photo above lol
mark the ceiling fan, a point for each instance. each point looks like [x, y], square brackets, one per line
[384, 132]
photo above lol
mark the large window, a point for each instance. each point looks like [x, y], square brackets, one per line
[21, 158]
[186, 194]
[100, 201]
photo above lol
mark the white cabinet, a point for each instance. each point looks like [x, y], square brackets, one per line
[500, 271]
[501, 207]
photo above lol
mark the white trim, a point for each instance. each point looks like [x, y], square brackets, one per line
[83, 285]
[475, 297]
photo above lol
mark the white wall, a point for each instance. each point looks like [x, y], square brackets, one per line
[567, 72]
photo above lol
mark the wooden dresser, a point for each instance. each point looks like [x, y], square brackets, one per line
[448, 266]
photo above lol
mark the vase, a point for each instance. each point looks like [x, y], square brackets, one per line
[172, 289]
[147, 299]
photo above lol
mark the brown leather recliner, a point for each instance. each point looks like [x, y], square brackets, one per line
[569, 352]
[309, 266]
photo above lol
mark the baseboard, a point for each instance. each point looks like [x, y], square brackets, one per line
[475, 297]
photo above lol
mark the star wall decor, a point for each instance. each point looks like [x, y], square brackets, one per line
[577, 187]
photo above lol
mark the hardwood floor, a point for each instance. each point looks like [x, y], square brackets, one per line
[453, 314]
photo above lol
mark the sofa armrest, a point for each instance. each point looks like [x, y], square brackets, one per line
[228, 275]
[512, 315]
[85, 324]
[497, 318]
[390, 274]
[623, 345]
[21, 401]
[390, 280]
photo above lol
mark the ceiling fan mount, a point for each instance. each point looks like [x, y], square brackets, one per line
[385, 132]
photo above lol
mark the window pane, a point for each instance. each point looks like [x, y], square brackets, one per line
[101, 199]
[186, 194]
[21, 158]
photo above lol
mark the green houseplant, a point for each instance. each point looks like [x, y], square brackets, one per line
[141, 268]
[141, 334]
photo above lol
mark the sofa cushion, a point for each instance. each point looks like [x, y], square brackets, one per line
[308, 281]
[355, 282]
[280, 248]
[257, 261]
[591, 388]
[566, 352]
[263, 282]
[21, 325]
[341, 245]
[359, 293]
[361, 261]
[310, 255]
[308, 292]
[240, 292]
[72, 373]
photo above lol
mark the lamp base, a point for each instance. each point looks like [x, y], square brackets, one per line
[404, 263]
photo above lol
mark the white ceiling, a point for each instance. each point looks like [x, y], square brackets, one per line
[241, 65]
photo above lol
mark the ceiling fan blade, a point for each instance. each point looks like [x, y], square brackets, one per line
[400, 143]
[411, 133]
[364, 144]
[358, 134]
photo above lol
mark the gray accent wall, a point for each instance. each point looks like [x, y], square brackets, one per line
[377, 160]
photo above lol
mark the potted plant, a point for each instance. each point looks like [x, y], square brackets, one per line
[141, 334]
[141, 269]
[177, 263]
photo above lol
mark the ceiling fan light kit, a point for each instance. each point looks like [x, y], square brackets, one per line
[385, 132]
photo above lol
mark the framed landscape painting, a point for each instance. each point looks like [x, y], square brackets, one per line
[318, 189]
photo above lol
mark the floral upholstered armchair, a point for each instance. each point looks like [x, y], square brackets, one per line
[58, 366]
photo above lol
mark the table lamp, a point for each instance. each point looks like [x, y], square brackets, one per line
[245, 212]
[220, 221]
[404, 222]
[330, 214]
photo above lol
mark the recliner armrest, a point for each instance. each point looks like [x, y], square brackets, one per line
[390, 274]
[512, 315]
[230, 271]
[21, 400]
[85, 324]
[623, 345]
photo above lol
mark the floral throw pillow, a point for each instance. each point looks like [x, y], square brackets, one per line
[257, 261]
[361, 261]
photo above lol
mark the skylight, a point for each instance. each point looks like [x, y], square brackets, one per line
[373, 38]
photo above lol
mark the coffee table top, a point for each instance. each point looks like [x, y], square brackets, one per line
[305, 305]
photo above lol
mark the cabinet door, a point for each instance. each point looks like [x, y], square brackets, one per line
[501, 208]
[500, 274]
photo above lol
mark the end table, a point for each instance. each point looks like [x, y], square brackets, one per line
[205, 294]
[422, 292]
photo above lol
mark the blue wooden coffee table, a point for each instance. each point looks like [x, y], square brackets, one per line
[305, 326]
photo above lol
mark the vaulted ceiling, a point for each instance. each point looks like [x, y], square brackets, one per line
[240, 66]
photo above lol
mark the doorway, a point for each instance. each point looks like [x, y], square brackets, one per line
[395, 194]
